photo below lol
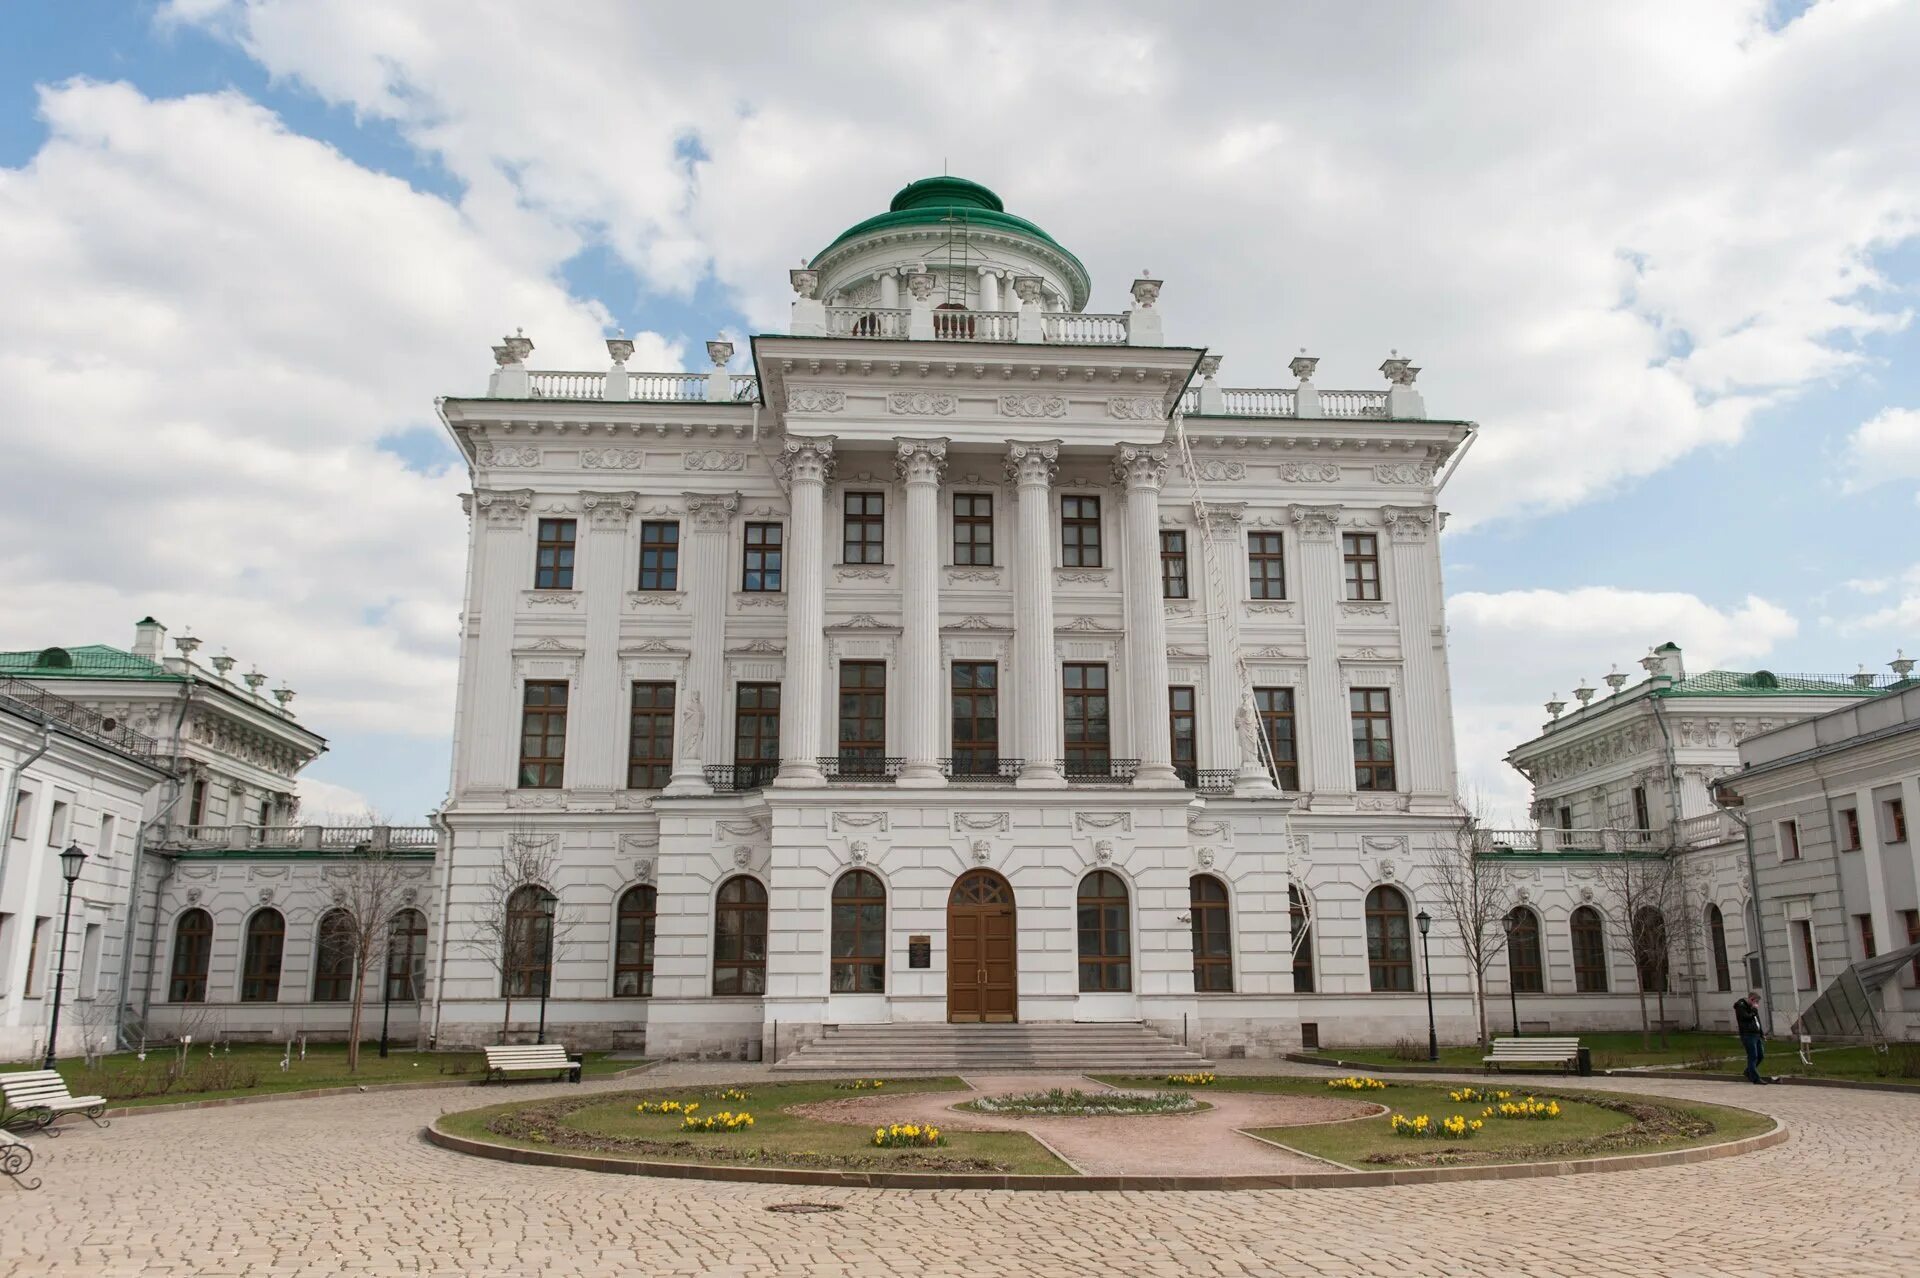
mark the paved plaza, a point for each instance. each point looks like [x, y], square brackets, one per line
[346, 1185]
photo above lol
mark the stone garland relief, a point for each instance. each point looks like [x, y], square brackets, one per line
[1033, 406]
[1122, 821]
[1135, 408]
[1309, 473]
[1403, 473]
[921, 403]
[964, 822]
[509, 455]
[1213, 470]
[805, 400]
[715, 459]
[611, 458]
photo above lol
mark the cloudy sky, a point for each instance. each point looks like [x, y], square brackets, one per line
[1667, 255]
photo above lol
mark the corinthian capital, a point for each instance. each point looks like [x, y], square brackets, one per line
[920, 461]
[504, 508]
[1408, 523]
[711, 512]
[1315, 523]
[1144, 468]
[1033, 463]
[806, 460]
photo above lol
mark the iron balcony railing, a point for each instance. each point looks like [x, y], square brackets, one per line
[735, 778]
[1095, 771]
[977, 767]
[851, 765]
[38, 703]
[1206, 780]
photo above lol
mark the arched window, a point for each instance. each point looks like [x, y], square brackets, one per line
[192, 946]
[740, 937]
[529, 941]
[1300, 934]
[1650, 949]
[1106, 964]
[859, 934]
[406, 956]
[333, 958]
[1589, 951]
[1212, 935]
[1717, 942]
[633, 942]
[1524, 971]
[260, 968]
[1389, 941]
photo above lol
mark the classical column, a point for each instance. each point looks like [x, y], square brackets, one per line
[806, 463]
[504, 569]
[1226, 743]
[1036, 684]
[1426, 744]
[597, 767]
[701, 707]
[1329, 761]
[1143, 470]
[920, 462]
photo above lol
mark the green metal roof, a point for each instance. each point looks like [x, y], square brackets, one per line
[93, 661]
[1763, 683]
[932, 201]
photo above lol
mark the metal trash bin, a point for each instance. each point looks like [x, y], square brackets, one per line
[1583, 1063]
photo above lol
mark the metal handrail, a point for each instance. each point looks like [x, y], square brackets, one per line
[972, 768]
[736, 778]
[852, 766]
[85, 720]
[1084, 770]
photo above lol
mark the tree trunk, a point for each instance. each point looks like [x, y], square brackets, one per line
[353, 1022]
[1661, 1000]
[1480, 1005]
[1646, 1031]
[506, 1018]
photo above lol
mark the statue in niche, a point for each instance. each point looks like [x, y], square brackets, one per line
[693, 726]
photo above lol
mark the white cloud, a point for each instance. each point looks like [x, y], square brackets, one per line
[323, 803]
[1509, 651]
[1883, 449]
[1899, 620]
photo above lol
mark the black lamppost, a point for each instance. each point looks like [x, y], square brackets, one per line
[1513, 996]
[386, 994]
[546, 979]
[70, 862]
[1425, 921]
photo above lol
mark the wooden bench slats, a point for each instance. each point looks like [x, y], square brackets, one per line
[1564, 1052]
[531, 1058]
[43, 1091]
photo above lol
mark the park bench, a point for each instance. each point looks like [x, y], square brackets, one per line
[39, 1096]
[530, 1058]
[1564, 1052]
[16, 1156]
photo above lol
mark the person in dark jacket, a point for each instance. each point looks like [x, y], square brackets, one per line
[1746, 1015]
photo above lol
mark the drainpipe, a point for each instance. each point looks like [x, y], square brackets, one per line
[1759, 920]
[446, 910]
[133, 892]
[13, 796]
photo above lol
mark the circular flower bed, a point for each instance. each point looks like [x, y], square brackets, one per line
[1189, 1080]
[1526, 1107]
[1355, 1083]
[1073, 1103]
[861, 1085]
[725, 1121]
[1453, 1127]
[907, 1136]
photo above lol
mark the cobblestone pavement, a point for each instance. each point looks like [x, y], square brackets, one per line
[345, 1185]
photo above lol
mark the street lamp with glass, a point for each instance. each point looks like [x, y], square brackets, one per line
[1425, 921]
[1513, 996]
[546, 977]
[71, 862]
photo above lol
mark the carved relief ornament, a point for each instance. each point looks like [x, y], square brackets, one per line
[504, 508]
[1315, 523]
[806, 460]
[1033, 406]
[711, 512]
[1033, 463]
[609, 510]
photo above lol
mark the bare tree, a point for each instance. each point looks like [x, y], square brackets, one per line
[1472, 891]
[367, 887]
[1638, 894]
[509, 940]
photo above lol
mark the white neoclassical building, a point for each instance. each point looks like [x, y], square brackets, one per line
[900, 678]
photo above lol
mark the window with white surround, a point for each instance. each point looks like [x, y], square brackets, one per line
[22, 813]
[57, 827]
[1806, 967]
[1789, 840]
[89, 963]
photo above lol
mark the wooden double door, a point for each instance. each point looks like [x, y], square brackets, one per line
[981, 970]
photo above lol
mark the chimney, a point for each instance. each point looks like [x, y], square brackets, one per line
[149, 638]
[1670, 663]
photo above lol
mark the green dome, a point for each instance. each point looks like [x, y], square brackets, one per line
[933, 200]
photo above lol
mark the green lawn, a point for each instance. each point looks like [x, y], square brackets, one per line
[254, 1069]
[1899, 1065]
[608, 1126]
[1586, 1128]
[1610, 1051]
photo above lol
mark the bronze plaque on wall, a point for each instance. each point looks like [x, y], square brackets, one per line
[919, 951]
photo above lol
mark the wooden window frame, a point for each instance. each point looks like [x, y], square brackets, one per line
[549, 770]
[1212, 921]
[763, 550]
[1267, 703]
[1787, 835]
[1183, 731]
[257, 968]
[1807, 970]
[1174, 580]
[647, 726]
[1642, 814]
[187, 977]
[1912, 919]
[1094, 754]
[1529, 977]
[756, 728]
[857, 942]
[1864, 924]
[1850, 830]
[636, 930]
[1717, 949]
[746, 972]
[1360, 558]
[333, 957]
[1652, 965]
[196, 805]
[863, 531]
[1300, 920]
[406, 954]
[1103, 924]
[974, 753]
[1389, 929]
[528, 941]
[1373, 774]
[1896, 810]
[555, 547]
[659, 556]
[1587, 934]
[1266, 565]
[967, 549]
[1080, 545]
[860, 746]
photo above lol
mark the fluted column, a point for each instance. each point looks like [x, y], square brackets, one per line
[920, 462]
[492, 728]
[1031, 467]
[701, 711]
[1231, 743]
[1142, 471]
[1329, 761]
[1425, 742]
[600, 701]
[807, 463]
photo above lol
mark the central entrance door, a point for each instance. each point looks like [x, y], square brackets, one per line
[980, 952]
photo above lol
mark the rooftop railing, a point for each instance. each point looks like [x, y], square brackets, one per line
[654, 387]
[37, 702]
[1264, 401]
[307, 838]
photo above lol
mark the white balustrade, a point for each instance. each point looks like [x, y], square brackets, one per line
[866, 321]
[1711, 827]
[1068, 329]
[1259, 401]
[554, 384]
[1349, 403]
[667, 386]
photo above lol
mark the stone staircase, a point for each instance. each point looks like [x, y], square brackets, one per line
[1119, 1047]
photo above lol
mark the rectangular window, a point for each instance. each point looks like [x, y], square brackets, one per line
[1266, 566]
[89, 962]
[109, 834]
[1807, 977]
[975, 695]
[1173, 563]
[35, 950]
[553, 560]
[1642, 820]
[756, 731]
[760, 560]
[1084, 688]
[1849, 829]
[659, 555]
[650, 737]
[1896, 812]
[1789, 840]
[23, 807]
[864, 531]
[1080, 532]
[1372, 739]
[973, 530]
[57, 826]
[1180, 730]
[543, 734]
[1276, 720]
[1912, 920]
[1865, 923]
[1566, 818]
[197, 806]
[863, 717]
[1362, 554]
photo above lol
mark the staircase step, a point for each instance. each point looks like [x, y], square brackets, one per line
[1112, 1047]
